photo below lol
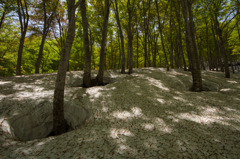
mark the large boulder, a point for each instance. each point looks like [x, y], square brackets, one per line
[75, 114]
[38, 122]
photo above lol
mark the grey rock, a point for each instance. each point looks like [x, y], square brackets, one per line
[75, 114]
[33, 124]
[38, 122]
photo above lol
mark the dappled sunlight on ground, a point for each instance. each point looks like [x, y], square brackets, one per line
[149, 114]
[157, 83]
[227, 90]
[233, 82]
[114, 133]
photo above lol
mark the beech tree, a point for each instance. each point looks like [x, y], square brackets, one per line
[7, 7]
[191, 45]
[160, 28]
[59, 123]
[23, 19]
[87, 68]
[48, 17]
[130, 8]
[100, 74]
[121, 35]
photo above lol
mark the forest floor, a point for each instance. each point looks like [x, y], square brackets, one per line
[149, 114]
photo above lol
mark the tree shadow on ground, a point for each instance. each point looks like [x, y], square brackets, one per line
[145, 116]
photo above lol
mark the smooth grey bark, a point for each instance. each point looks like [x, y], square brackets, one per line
[88, 53]
[121, 37]
[99, 78]
[191, 45]
[23, 19]
[59, 123]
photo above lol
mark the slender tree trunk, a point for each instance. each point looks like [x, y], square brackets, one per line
[87, 67]
[3, 16]
[59, 123]
[155, 50]
[40, 55]
[207, 44]
[148, 35]
[46, 25]
[233, 71]
[145, 35]
[178, 13]
[161, 35]
[111, 52]
[121, 36]
[191, 45]
[130, 37]
[171, 37]
[20, 52]
[23, 19]
[221, 47]
[200, 53]
[120, 54]
[99, 77]
[218, 51]
[91, 49]
[149, 48]
[177, 55]
[137, 46]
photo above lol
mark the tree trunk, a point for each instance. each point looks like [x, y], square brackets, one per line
[207, 45]
[155, 50]
[149, 47]
[178, 13]
[3, 15]
[59, 123]
[145, 35]
[161, 35]
[130, 37]
[91, 50]
[137, 47]
[171, 37]
[99, 77]
[40, 55]
[148, 35]
[46, 26]
[221, 47]
[120, 55]
[191, 45]
[121, 36]
[87, 66]
[23, 19]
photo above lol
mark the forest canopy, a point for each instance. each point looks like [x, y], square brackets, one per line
[151, 32]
